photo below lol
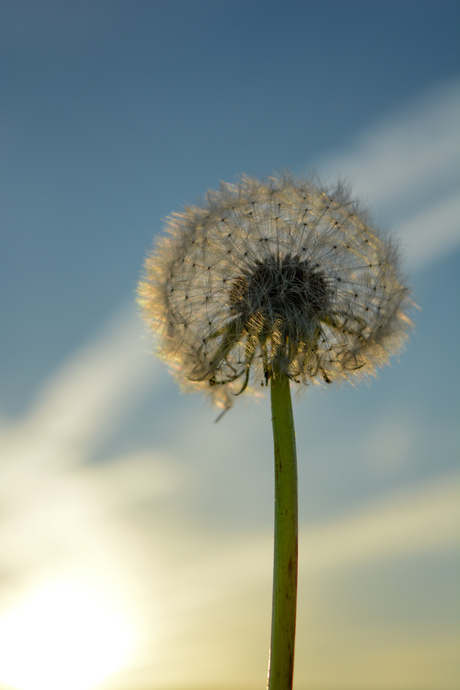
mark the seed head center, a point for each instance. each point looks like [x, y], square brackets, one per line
[282, 290]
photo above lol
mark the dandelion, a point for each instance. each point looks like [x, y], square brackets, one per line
[275, 282]
[273, 277]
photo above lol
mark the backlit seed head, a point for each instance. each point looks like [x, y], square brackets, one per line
[270, 277]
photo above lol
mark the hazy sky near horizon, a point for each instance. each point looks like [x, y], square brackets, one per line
[130, 522]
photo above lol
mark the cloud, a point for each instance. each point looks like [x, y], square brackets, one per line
[406, 167]
[216, 597]
[193, 590]
[418, 520]
[432, 233]
[54, 504]
[85, 398]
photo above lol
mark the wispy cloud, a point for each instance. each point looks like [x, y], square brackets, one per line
[66, 515]
[406, 167]
[416, 520]
[434, 232]
[45, 491]
[216, 600]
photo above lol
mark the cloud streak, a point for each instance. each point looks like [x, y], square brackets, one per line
[406, 167]
[67, 515]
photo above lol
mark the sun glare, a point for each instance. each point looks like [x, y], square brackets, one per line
[64, 636]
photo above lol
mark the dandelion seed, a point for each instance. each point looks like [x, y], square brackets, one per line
[273, 276]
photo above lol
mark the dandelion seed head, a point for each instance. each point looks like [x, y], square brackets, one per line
[273, 277]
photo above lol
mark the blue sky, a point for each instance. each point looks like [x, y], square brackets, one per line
[114, 115]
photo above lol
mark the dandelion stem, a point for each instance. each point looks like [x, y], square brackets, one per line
[281, 663]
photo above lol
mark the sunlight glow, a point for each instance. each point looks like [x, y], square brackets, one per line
[65, 635]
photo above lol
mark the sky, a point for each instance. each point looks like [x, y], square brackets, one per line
[136, 535]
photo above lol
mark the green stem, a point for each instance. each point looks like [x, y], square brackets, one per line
[281, 663]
